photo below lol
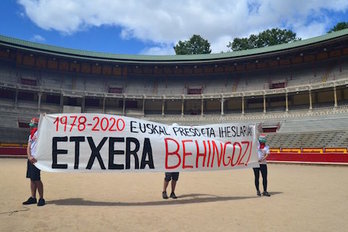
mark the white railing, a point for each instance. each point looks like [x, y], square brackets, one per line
[313, 86]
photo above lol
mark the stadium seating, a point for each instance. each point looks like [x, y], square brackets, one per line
[310, 118]
[308, 139]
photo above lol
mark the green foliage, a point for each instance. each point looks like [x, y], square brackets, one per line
[266, 38]
[339, 26]
[196, 45]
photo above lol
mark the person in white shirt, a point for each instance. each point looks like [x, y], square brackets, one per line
[33, 172]
[263, 152]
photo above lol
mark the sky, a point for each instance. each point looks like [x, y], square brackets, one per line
[153, 27]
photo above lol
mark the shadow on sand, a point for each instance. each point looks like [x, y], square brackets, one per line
[182, 199]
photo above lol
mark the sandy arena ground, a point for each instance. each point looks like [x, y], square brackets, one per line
[304, 198]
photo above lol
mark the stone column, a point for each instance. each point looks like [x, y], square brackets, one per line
[16, 99]
[124, 106]
[335, 97]
[83, 104]
[39, 101]
[182, 106]
[310, 100]
[61, 101]
[104, 99]
[202, 107]
[243, 105]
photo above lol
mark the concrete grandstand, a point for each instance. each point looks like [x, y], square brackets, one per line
[297, 92]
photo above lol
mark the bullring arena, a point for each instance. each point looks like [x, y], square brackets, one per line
[296, 93]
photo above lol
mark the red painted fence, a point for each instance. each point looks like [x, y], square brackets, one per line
[288, 155]
[15, 151]
[309, 155]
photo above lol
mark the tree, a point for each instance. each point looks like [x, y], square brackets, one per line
[196, 45]
[266, 38]
[339, 26]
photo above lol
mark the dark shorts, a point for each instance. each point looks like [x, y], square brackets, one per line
[171, 176]
[33, 172]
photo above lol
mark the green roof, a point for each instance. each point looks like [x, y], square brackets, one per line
[95, 56]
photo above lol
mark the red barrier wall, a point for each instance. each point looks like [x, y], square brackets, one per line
[309, 157]
[278, 157]
[13, 151]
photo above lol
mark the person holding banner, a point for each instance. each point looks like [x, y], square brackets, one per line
[170, 176]
[33, 172]
[263, 152]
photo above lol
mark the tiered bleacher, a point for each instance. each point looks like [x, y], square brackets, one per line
[297, 92]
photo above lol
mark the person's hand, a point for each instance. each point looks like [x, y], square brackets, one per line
[32, 160]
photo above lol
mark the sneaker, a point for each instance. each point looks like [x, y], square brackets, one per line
[258, 193]
[172, 195]
[41, 202]
[31, 200]
[265, 193]
[164, 195]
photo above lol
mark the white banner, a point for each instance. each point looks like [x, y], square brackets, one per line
[101, 142]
